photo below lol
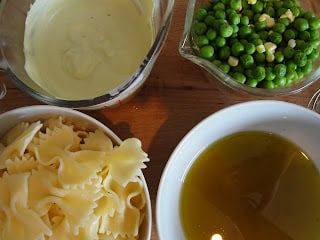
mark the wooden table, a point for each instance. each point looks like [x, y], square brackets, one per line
[174, 99]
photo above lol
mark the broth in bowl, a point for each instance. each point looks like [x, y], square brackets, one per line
[251, 185]
[280, 196]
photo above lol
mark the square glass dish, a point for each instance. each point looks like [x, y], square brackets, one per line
[190, 47]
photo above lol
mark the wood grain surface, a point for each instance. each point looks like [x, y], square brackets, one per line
[176, 96]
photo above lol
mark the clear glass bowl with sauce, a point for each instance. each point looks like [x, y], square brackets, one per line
[12, 58]
[213, 73]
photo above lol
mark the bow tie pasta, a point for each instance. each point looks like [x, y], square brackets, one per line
[58, 182]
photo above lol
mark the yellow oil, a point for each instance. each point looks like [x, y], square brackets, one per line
[252, 186]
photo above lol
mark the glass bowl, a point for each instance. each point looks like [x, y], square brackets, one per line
[187, 50]
[12, 59]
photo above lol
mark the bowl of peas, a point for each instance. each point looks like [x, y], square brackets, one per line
[259, 47]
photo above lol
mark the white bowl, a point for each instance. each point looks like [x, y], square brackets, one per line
[296, 123]
[32, 113]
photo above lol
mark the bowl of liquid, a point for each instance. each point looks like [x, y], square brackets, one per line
[250, 171]
[82, 54]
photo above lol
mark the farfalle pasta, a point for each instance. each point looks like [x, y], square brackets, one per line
[58, 182]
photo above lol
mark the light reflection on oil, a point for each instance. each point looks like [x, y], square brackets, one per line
[216, 236]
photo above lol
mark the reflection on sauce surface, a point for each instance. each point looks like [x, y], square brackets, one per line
[252, 186]
[79, 49]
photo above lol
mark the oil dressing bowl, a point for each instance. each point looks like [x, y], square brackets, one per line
[295, 123]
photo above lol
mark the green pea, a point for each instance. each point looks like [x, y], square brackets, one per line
[211, 34]
[230, 11]
[251, 83]
[201, 13]
[244, 20]
[307, 68]
[220, 14]
[224, 52]
[235, 28]
[289, 34]
[278, 56]
[291, 74]
[280, 70]
[315, 43]
[220, 41]
[234, 18]
[246, 60]
[245, 31]
[307, 48]
[314, 35]
[277, 4]
[270, 74]
[275, 37]
[279, 27]
[250, 48]
[253, 35]
[257, 41]
[237, 48]
[267, 84]
[301, 24]
[217, 62]
[300, 58]
[210, 20]
[259, 73]
[219, 6]
[308, 15]
[207, 52]
[261, 25]
[314, 54]
[263, 34]
[280, 11]
[284, 21]
[225, 68]
[288, 52]
[226, 30]
[295, 11]
[314, 23]
[236, 5]
[259, 57]
[270, 11]
[202, 41]
[240, 77]
[200, 28]
[245, 4]
[288, 3]
[280, 81]
[257, 7]
[291, 65]
[299, 73]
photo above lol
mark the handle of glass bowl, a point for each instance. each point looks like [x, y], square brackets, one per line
[3, 89]
[3, 66]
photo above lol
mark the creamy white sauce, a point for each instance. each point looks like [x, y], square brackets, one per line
[80, 49]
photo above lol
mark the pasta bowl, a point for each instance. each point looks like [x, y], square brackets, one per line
[65, 175]
[295, 123]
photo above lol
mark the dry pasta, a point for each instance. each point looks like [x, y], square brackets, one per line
[58, 182]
